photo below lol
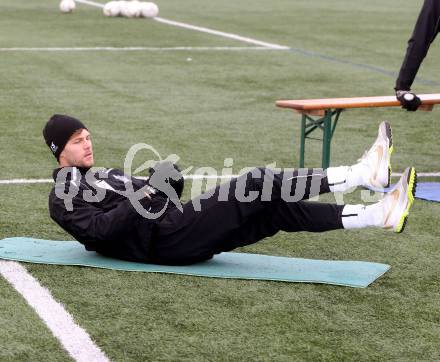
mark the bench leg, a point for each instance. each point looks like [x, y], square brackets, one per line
[327, 123]
[303, 142]
[327, 138]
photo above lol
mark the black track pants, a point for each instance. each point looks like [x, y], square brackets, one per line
[243, 211]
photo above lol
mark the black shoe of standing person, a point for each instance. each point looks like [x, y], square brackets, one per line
[408, 100]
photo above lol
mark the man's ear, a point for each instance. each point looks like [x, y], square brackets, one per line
[61, 157]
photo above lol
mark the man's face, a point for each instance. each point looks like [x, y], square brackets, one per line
[78, 151]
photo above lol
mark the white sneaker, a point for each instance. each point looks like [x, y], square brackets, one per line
[397, 202]
[377, 159]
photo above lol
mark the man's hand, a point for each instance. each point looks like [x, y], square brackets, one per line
[408, 100]
[167, 179]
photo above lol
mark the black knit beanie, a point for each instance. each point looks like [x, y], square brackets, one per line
[58, 130]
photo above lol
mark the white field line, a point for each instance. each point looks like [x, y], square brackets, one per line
[23, 181]
[203, 30]
[130, 49]
[92, 3]
[419, 174]
[221, 33]
[73, 338]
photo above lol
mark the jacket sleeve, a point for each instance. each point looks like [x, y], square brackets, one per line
[88, 223]
[425, 31]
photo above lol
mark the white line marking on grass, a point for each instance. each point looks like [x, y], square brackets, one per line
[73, 338]
[419, 174]
[204, 30]
[201, 177]
[20, 181]
[23, 181]
[221, 33]
[92, 3]
[132, 49]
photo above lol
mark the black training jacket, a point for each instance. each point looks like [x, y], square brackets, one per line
[425, 31]
[106, 223]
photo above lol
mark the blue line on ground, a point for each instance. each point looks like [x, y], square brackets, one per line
[373, 68]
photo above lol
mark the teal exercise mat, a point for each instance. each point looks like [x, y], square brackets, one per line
[226, 265]
[429, 191]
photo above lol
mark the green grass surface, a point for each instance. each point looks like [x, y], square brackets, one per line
[220, 104]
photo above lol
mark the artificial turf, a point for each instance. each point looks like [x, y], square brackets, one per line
[220, 104]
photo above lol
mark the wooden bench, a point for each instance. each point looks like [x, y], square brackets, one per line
[324, 114]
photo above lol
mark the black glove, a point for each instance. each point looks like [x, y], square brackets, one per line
[167, 179]
[408, 100]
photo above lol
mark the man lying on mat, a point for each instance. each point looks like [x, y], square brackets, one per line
[141, 224]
